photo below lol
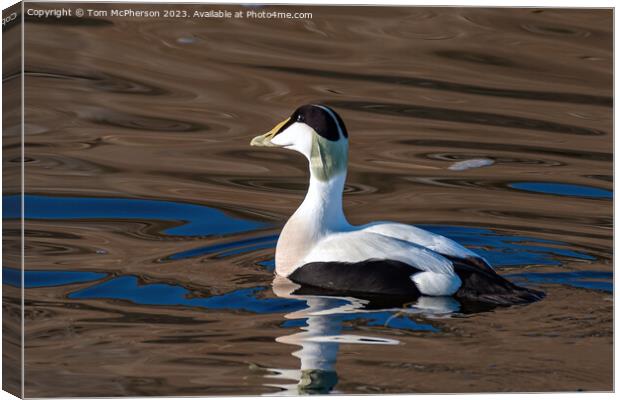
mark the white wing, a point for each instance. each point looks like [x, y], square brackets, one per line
[356, 246]
[409, 233]
[436, 279]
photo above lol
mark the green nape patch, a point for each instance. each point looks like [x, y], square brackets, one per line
[328, 158]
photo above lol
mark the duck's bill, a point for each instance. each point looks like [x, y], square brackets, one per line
[265, 140]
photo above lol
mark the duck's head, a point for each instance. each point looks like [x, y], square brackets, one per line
[317, 132]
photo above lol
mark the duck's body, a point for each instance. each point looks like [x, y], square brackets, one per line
[319, 247]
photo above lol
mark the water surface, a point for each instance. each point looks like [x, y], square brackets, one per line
[151, 223]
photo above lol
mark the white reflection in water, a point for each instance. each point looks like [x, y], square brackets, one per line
[470, 164]
[321, 337]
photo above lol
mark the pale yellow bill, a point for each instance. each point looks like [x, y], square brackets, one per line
[265, 140]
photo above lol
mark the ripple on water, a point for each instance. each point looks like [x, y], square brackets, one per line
[130, 288]
[197, 220]
[145, 122]
[577, 98]
[228, 249]
[499, 249]
[482, 160]
[563, 189]
[503, 250]
[594, 280]
[520, 149]
[555, 30]
[103, 82]
[253, 299]
[462, 116]
[35, 278]
[169, 123]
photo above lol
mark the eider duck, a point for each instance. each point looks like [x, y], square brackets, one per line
[320, 248]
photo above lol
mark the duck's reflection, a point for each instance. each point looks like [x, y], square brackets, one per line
[321, 336]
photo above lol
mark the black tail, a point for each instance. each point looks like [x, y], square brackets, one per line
[481, 284]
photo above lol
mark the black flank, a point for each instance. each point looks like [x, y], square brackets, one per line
[385, 277]
[484, 285]
[481, 288]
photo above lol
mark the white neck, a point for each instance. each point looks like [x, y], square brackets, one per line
[318, 215]
[322, 206]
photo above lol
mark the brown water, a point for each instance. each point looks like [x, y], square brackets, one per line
[151, 223]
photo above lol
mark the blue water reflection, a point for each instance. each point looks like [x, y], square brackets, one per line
[39, 278]
[129, 288]
[499, 249]
[229, 249]
[563, 189]
[198, 220]
[509, 250]
[595, 280]
[253, 299]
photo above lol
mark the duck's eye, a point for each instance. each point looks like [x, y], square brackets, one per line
[300, 118]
